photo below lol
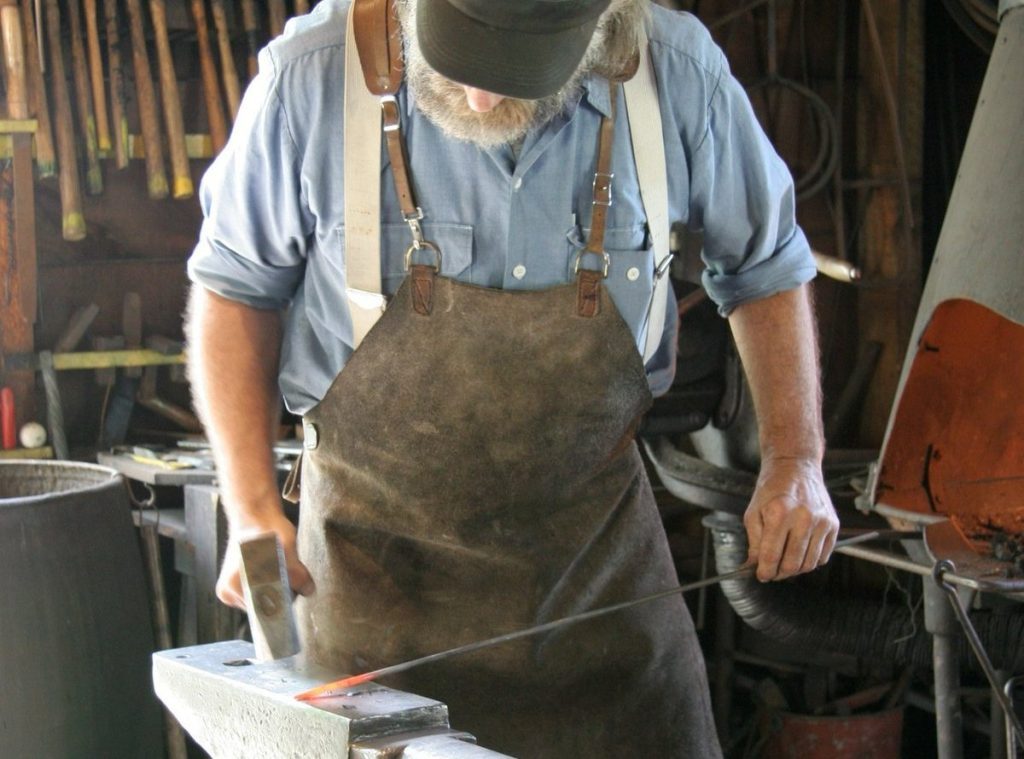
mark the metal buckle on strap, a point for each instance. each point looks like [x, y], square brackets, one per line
[389, 107]
[603, 189]
[662, 267]
[413, 220]
[424, 245]
[605, 261]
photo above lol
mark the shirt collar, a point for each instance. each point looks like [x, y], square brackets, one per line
[595, 90]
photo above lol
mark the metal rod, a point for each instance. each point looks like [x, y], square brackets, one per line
[907, 565]
[328, 689]
[940, 571]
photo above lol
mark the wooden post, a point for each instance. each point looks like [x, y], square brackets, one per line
[891, 102]
[17, 217]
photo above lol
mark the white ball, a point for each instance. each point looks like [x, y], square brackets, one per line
[32, 435]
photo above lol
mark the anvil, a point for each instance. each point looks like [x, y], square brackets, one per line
[236, 706]
[237, 699]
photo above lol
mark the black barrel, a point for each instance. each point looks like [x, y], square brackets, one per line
[75, 630]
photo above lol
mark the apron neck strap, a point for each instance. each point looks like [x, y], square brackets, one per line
[588, 302]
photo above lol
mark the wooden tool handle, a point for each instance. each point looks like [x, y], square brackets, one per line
[252, 36]
[99, 99]
[171, 98]
[83, 93]
[156, 177]
[211, 90]
[46, 158]
[227, 57]
[301, 7]
[14, 59]
[275, 9]
[73, 221]
[117, 104]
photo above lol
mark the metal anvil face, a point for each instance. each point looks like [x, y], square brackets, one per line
[235, 706]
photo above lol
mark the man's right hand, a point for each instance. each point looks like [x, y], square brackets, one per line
[229, 584]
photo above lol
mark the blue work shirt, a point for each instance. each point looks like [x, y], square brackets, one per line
[274, 231]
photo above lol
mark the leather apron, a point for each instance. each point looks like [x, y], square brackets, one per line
[473, 473]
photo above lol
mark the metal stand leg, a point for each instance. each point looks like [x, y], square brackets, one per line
[997, 720]
[1011, 736]
[938, 573]
[150, 542]
[940, 621]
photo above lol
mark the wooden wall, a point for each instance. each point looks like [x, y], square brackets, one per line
[873, 90]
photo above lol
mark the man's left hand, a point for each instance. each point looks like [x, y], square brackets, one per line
[791, 523]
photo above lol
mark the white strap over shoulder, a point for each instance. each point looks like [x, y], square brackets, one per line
[362, 124]
[644, 114]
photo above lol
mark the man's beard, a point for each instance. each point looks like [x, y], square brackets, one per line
[444, 101]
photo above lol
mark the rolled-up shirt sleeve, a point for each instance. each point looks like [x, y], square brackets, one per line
[742, 197]
[252, 243]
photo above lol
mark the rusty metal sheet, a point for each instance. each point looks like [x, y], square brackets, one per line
[956, 448]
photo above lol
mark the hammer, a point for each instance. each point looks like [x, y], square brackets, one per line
[268, 597]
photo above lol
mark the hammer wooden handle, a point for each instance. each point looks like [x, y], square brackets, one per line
[46, 157]
[227, 58]
[275, 10]
[99, 99]
[156, 177]
[73, 222]
[211, 90]
[83, 92]
[117, 105]
[171, 99]
[14, 59]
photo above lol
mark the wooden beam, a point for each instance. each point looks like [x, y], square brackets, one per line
[889, 144]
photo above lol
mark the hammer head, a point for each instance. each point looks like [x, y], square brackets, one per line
[268, 597]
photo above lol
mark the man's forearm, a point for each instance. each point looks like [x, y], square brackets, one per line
[777, 342]
[233, 360]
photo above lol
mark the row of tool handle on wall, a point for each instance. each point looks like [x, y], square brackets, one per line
[78, 125]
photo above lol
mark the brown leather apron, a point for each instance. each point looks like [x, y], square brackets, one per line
[474, 472]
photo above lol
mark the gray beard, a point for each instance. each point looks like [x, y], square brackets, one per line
[444, 101]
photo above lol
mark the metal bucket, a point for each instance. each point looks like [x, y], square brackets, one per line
[869, 735]
[75, 631]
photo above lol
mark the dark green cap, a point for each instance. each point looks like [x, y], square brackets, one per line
[519, 48]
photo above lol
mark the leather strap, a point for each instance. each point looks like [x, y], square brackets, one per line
[399, 164]
[422, 288]
[603, 177]
[649, 152]
[588, 301]
[362, 130]
[378, 39]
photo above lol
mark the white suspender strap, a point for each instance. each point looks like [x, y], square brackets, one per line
[362, 124]
[649, 152]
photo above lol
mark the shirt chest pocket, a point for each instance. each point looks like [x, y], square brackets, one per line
[454, 241]
[631, 266]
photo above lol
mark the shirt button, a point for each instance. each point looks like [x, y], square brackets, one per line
[633, 274]
[519, 272]
[517, 183]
